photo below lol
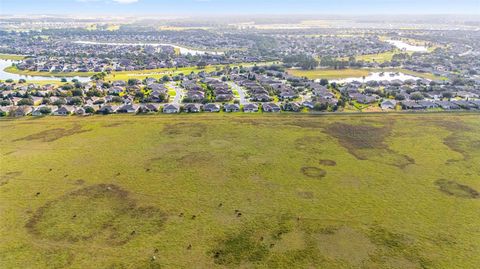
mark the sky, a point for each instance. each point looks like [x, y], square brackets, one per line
[222, 7]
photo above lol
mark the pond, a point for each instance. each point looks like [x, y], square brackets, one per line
[5, 75]
[378, 76]
[404, 46]
[182, 50]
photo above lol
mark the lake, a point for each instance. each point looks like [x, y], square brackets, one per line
[5, 75]
[182, 50]
[377, 76]
[404, 46]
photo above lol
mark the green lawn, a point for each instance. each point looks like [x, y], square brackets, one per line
[329, 73]
[15, 70]
[13, 57]
[236, 190]
[378, 58]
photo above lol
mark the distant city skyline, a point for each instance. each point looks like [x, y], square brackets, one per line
[241, 7]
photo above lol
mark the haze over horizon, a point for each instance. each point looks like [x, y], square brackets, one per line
[251, 7]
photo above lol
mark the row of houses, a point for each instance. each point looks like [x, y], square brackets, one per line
[44, 110]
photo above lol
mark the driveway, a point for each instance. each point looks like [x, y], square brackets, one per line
[241, 92]
[178, 93]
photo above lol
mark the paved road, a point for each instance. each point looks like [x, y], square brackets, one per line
[178, 93]
[241, 92]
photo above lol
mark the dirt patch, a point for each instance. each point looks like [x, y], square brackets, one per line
[309, 143]
[305, 194]
[53, 134]
[111, 125]
[453, 188]
[182, 128]
[357, 137]
[397, 246]
[104, 212]
[327, 162]
[346, 244]
[313, 172]
[239, 248]
[4, 179]
[58, 258]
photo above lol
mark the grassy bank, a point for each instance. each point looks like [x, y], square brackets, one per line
[223, 191]
[329, 73]
[13, 57]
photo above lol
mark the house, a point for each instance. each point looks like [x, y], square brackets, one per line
[21, 111]
[411, 105]
[464, 104]
[231, 108]
[288, 94]
[388, 104]
[128, 108]
[427, 104]
[171, 109]
[211, 107]
[261, 98]
[148, 108]
[271, 107]
[309, 104]
[37, 111]
[250, 108]
[447, 105]
[293, 106]
[107, 109]
[63, 111]
[192, 108]
[79, 111]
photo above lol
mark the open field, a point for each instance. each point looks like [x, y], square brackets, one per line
[329, 73]
[236, 190]
[377, 58]
[15, 70]
[13, 57]
[348, 73]
[138, 74]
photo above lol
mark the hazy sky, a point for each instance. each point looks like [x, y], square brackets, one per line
[219, 7]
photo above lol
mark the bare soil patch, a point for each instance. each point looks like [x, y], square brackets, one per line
[358, 137]
[313, 172]
[327, 162]
[104, 211]
[183, 128]
[453, 188]
[4, 179]
[53, 134]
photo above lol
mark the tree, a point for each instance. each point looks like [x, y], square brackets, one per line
[22, 80]
[324, 82]
[63, 80]
[77, 92]
[45, 110]
[76, 101]
[447, 95]
[132, 81]
[320, 106]
[89, 110]
[117, 99]
[59, 102]
[25, 102]
[201, 64]
[416, 96]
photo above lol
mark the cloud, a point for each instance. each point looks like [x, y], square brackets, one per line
[106, 1]
[125, 1]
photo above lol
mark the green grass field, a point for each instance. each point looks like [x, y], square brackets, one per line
[329, 73]
[13, 57]
[236, 190]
